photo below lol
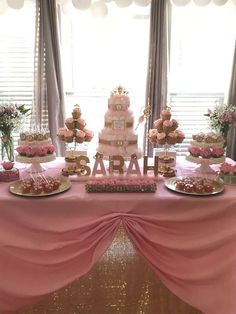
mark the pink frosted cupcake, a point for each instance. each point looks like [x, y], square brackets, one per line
[172, 138]
[175, 124]
[79, 136]
[80, 124]
[88, 135]
[76, 113]
[165, 114]
[161, 138]
[158, 124]
[152, 135]
[61, 133]
[180, 136]
[194, 151]
[217, 152]
[205, 152]
[68, 136]
[70, 123]
[167, 126]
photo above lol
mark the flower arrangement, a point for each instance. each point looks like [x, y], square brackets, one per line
[11, 118]
[221, 118]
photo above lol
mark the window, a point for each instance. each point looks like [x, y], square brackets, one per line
[100, 54]
[202, 46]
[17, 55]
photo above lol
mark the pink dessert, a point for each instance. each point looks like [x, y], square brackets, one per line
[158, 124]
[161, 138]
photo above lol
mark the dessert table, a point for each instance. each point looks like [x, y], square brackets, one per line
[189, 241]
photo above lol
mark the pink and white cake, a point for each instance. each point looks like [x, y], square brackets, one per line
[118, 136]
[35, 146]
[207, 146]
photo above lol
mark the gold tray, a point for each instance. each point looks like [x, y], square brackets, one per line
[217, 188]
[15, 188]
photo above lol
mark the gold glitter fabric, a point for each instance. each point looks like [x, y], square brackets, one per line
[120, 283]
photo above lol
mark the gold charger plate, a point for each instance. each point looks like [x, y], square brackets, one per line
[217, 188]
[15, 188]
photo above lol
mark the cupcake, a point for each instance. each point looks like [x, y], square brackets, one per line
[23, 136]
[88, 135]
[165, 114]
[61, 133]
[76, 113]
[161, 138]
[68, 136]
[205, 152]
[172, 138]
[158, 124]
[194, 151]
[80, 124]
[79, 136]
[199, 137]
[175, 124]
[180, 136]
[218, 152]
[167, 126]
[153, 135]
[70, 123]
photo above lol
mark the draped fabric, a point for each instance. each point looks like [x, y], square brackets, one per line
[189, 241]
[158, 64]
[231, 138]
[48, 107]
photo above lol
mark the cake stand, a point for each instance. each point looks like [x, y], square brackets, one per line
[205, 164]
[35, 162]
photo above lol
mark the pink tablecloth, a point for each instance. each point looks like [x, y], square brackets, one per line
[190, 241]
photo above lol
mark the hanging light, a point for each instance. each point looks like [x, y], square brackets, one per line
[142, 3]
[81, 4]
[181, 3]
[15, 4]
[99, 9]
[219, 2]
[123, 3]
[202, 3]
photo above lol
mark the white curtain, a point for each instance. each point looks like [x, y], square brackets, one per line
[48, 107]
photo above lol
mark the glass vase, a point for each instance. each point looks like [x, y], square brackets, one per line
[7, 148]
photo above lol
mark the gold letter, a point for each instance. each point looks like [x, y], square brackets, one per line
[146, 167]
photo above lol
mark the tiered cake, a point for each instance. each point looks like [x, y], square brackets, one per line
[207, 147]
[118, 136]
[35, 147]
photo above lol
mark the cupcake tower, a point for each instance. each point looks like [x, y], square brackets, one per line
[75, 130]
[165, 130]
[165, 133]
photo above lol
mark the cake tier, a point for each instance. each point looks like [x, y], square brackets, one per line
[118, 143]
[209, 161]
[207, 145]
[126, 152]
[118, 102]
[31, 160]
[35, 142]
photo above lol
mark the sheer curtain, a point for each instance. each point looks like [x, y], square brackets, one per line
[158, 64]
[48, 107]
[231, 141]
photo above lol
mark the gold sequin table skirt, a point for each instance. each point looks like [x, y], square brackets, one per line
[120, 283]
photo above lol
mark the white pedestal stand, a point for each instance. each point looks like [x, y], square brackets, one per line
[35, 162]
[204, 168]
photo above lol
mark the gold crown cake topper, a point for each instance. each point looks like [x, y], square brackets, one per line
[119, 91]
